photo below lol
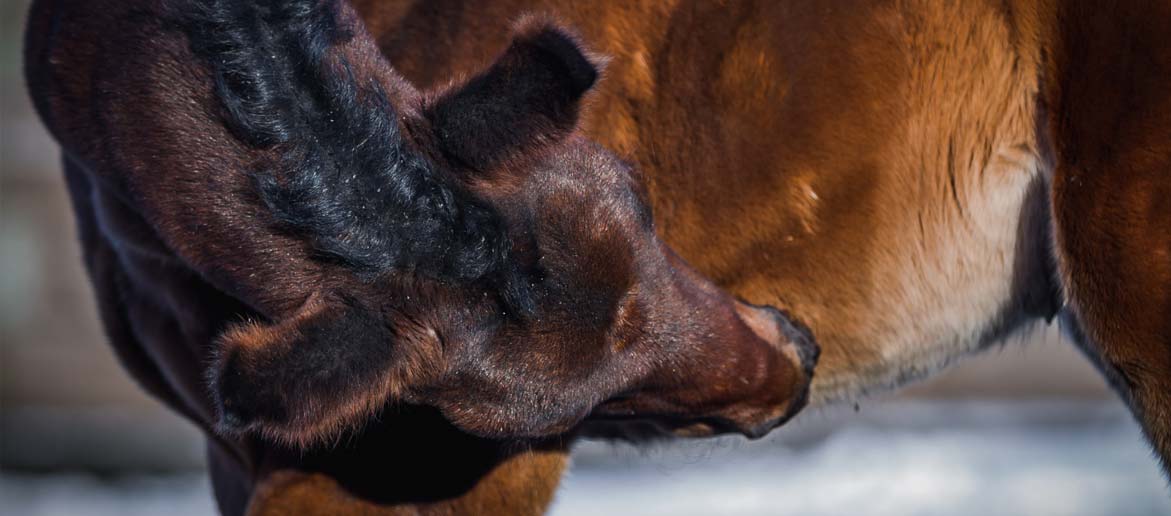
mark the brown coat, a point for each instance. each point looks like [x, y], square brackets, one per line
[914, 179]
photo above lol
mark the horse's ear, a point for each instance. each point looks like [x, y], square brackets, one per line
[530, 96]
[307, 377]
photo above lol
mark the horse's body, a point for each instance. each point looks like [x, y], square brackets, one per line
[912, 179]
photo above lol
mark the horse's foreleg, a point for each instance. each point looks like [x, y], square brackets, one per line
[1111, 129]
[522, 484]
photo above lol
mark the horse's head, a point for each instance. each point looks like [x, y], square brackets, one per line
[468, 250]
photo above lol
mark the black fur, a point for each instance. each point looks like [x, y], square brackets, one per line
[347, 179]
[342, 352]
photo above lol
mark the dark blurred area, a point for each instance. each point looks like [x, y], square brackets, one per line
[64, 401]
[1027, 420]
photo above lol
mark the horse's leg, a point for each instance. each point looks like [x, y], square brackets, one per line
[410, 461]
[1109, 94]
[522, 484]
[1114, 244]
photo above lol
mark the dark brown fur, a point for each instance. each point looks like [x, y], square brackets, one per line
[1109, 117]
[405, 315]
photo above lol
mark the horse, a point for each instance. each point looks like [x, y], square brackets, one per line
[294, 247]
[913, 180]
[916, 180]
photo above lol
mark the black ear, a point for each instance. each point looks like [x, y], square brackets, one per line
[531, 95]
[306, 378]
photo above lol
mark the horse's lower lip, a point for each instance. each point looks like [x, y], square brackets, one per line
[798, 404]
[662, 425]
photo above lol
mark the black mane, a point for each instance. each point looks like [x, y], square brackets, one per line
[347, 179]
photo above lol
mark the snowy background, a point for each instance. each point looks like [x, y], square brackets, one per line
[1027, 429]
[899, 459]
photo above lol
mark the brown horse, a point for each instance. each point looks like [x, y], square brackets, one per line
[449, 281]
[913, 179]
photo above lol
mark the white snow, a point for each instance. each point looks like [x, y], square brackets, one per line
[921, 459]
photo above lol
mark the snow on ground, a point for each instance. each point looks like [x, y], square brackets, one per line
[990, 467]
[187, 494]
[1035, 459]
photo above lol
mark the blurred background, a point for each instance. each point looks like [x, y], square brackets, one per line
[1027, 428]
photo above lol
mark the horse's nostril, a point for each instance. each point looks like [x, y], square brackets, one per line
[810, 352]
[798, 334]
[778, 327]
